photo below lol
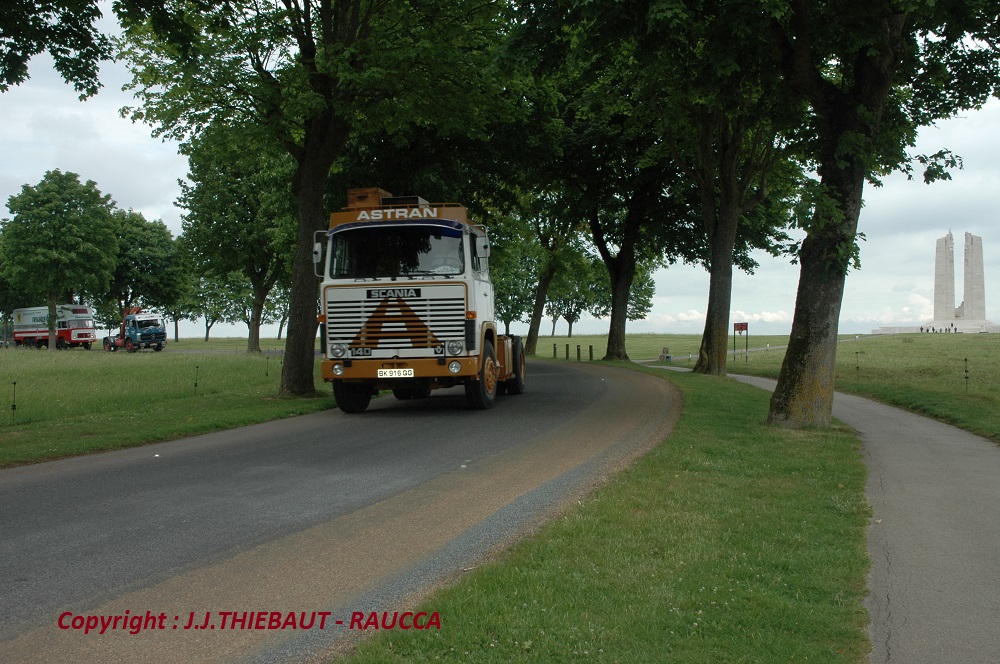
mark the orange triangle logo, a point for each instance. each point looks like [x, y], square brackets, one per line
[402, 323]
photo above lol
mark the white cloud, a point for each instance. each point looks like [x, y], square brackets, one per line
[43, 126]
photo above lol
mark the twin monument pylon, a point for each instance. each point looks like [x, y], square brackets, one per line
[970, 315]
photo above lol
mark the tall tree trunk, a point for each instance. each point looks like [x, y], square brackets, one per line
[849, 118]
[622, 273]
[804, 394]
[53, 322]
[544, 281]
[712, 355]
[256, 313]
[262, 286]
[322, 148]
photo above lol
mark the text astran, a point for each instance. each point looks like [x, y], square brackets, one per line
[398, 213]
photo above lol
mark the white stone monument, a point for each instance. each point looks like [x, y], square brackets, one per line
[970, 315]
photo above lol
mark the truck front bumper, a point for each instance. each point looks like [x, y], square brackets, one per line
[423, 368]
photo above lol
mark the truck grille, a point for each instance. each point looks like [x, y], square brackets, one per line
[394, 323]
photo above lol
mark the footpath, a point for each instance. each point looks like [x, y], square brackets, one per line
[934, 540]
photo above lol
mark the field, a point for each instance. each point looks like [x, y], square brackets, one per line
[732, 541]
[76, 401]
[923, 373]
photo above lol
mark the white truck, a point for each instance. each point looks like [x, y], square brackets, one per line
[74, 326]
[406, 303]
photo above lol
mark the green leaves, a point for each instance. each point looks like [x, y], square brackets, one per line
[61, 238]
[64, 28]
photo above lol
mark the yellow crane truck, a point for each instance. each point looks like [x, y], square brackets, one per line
[406, 303]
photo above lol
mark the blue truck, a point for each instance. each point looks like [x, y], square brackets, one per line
[138, 330]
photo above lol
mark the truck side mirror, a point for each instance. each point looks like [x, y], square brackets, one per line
[483, 247]
[318, 253]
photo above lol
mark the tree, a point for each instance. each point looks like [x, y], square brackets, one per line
[217, 299]
[240, 215]
[573, 290]
[871, 73]
[303, 74]
[64, 28]
[677, 87]
[182, 305]
[640, 297]
[61, 240]
[514, 262]
[605, 163]
[148, 271]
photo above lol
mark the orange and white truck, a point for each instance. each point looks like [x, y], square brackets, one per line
[406, 303]
[74, 326]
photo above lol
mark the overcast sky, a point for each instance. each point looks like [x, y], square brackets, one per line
[43, 126]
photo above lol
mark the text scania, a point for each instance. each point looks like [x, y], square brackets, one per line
[398, 213]
[382, 293]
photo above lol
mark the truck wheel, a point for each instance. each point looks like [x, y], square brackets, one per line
[130, 345]
[158, 347]
[87, 346]
[483, 392]
[352, 397]
[515, 385]
[61, 344]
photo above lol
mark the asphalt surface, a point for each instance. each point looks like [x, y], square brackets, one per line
[320, 513]
[934, 540]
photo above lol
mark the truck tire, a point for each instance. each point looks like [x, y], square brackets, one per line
[87, 345]
[158, 347]
[515, 385]
[61, 344]
[482, 393]
[352, 397]
[130, 345]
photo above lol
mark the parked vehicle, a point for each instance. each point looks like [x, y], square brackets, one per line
[74, 326]
[138, 330]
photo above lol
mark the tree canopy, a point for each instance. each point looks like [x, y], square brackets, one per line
[61, 240]
[66, 29]
[305, 75]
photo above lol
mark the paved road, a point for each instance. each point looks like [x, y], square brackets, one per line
[935, 537]
[325, 512]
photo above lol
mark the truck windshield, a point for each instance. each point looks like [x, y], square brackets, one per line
[393, 251]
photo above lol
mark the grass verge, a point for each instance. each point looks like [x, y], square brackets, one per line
[77, 402]
[923, 373]
[730, 542]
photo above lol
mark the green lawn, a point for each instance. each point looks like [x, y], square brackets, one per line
[76, 401]
[730, 542]
[924, 373]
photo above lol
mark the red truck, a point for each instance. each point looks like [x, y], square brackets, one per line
[74, 326]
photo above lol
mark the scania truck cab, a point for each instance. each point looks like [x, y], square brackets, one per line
[407, 304]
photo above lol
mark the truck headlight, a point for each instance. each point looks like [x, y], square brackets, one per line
[338, 370]
[338, 350]
[455, 347]
[454, 366]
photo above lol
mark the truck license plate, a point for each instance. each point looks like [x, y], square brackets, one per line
[395, 373]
